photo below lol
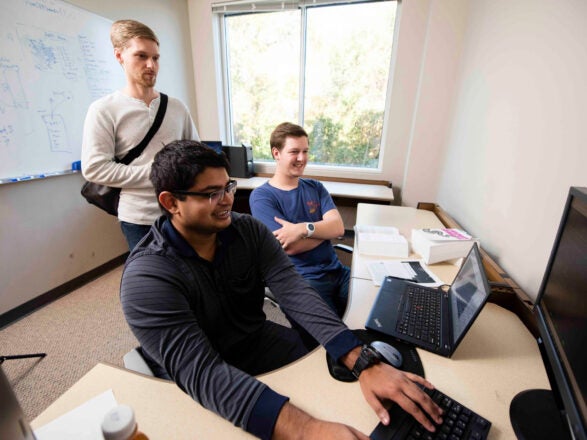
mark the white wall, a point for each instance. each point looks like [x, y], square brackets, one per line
[206, 71]
[49, 235]
[433, 102]
[517, 141]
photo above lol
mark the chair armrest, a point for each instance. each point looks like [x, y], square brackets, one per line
[344, 247]
[133, 360]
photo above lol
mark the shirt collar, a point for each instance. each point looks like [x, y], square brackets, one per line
[176, 240]
[225, 237]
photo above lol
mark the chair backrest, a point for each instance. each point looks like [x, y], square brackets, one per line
[343, 246]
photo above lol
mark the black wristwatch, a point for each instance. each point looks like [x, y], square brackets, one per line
[368, 357]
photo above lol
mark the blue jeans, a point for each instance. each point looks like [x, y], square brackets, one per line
[333, 287]
[133, 233]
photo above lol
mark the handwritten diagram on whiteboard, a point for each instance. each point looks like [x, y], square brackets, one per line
[55, 59]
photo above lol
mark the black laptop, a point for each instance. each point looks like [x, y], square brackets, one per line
[433, 319]
[13, 424]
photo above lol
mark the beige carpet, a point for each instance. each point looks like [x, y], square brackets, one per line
[77, 331]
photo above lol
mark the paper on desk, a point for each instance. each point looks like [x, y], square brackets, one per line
[399, 269]
[81, 423]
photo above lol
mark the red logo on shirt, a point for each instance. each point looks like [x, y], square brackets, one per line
[312, 206]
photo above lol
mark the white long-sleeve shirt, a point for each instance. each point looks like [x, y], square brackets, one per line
[114, 125]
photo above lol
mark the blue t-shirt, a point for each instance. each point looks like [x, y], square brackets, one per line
[306, 203]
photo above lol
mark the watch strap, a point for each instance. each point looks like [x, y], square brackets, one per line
[367, 358]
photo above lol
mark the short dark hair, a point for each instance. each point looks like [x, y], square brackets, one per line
[283, 131]
[177, 165]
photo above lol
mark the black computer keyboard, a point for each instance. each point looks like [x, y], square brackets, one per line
[420, 315]
[459, 423]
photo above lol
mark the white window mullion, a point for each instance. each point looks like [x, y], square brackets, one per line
[302, 82]
[224, 72]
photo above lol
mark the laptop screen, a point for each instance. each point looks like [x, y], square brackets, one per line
[468, 293]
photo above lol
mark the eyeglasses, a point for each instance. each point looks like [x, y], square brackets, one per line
[214, 196]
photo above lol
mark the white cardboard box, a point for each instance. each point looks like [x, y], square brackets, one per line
[384, 241]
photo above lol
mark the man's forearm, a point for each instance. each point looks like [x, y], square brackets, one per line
[327, 229]
[294, 424]
[351, 357]
[290, 423]
[303, 246]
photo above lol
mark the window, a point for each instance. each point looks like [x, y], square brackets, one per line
[324, 67]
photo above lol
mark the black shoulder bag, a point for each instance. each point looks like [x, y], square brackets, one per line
[107, 197]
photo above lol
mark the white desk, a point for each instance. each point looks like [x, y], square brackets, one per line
[361, 191]
[404, 219]
[497, 359]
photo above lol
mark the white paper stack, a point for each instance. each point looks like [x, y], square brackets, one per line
[440, 244]
[384, 241]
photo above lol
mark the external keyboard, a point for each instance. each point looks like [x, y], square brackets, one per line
[420, 315]
[459, 423]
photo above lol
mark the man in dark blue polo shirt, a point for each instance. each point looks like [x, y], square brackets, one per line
[192, 292]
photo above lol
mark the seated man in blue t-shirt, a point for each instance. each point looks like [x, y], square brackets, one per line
[303, 217]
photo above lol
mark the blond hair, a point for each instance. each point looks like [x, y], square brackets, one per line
[124, 30]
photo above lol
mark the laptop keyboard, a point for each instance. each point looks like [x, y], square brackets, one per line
[459, 423]
[420, 315]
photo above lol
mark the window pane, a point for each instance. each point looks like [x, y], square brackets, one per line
[348, 56]
[346, 64]
[263, 58]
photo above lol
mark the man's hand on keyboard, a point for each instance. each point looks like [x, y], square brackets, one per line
[382, 382]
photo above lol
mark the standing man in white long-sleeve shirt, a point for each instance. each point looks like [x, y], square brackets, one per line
[117, 123]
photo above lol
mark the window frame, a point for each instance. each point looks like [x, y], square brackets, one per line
[223, 92]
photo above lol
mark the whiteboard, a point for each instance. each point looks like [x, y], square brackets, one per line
[55, 59]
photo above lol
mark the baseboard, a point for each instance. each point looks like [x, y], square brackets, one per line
[30, 306]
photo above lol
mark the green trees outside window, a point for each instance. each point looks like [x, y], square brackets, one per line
[325, 68]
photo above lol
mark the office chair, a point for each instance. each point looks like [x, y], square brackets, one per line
[343, 247]
[134, 360]
[270, 297]
[21, 356]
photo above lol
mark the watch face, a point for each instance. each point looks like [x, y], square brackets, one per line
[311, 227]
[372, 356]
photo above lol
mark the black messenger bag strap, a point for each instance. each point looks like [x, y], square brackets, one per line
[136, 151]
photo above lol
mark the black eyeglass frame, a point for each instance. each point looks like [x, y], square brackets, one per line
[230, 188]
